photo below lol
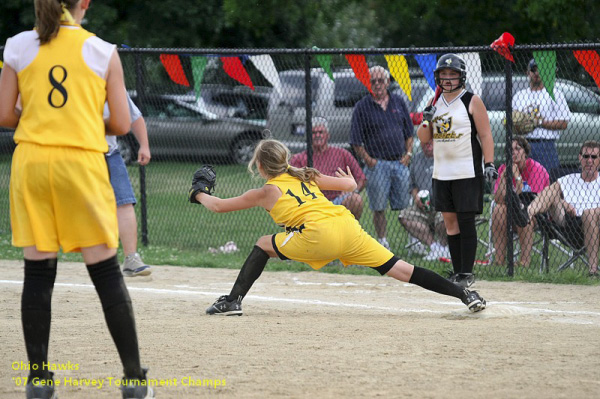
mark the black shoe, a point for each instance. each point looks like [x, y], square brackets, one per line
[474, 302]
[137, 388]
[452, 277]
[465, 280]
[222, 307]
[40, 388]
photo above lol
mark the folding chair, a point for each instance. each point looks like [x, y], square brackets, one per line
[571, 245]
[516, 247]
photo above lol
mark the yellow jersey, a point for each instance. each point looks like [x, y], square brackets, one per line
[62, 97]
[301, 203]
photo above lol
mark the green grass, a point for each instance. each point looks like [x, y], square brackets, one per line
[180, 233]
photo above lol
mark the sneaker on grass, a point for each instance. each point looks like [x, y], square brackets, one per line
[134, 266]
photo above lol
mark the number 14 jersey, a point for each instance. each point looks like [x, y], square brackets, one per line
[301, 203]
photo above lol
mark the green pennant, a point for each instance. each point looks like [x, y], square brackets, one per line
[325, 61]
[546, 63]
[198, 66]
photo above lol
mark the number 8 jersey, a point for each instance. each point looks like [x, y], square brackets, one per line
[301, 203]
[62, 95]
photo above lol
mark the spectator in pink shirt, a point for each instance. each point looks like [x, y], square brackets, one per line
[327, 160]
[529, 179]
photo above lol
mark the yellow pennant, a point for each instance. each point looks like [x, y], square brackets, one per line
[1, 64]
[399, 70]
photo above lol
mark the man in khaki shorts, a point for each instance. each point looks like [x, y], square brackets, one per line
[420, 220]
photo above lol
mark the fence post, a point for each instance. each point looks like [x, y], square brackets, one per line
[308, 105]
[141, 92]
[508, 170]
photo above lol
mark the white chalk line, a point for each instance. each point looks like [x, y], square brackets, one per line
[495, 309]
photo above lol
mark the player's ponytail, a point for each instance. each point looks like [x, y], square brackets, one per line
[48, 14]
[273, 157]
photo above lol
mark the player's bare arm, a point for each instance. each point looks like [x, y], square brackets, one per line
[343, 181]
[9, 92]
[119, 122]
[482, 123]
[264, 197]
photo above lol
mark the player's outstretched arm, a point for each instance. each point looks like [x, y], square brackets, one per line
[250, 199]
[343, 181]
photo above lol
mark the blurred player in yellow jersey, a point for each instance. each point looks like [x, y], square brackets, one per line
[53, 86]
[317, 231]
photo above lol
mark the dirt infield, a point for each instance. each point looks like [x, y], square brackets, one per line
[316, 335]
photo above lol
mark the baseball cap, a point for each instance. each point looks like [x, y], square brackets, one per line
[532, 64]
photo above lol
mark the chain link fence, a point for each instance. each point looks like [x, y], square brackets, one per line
[213, 106]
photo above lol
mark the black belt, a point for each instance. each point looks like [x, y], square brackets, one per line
[299, 229]
[394, 158]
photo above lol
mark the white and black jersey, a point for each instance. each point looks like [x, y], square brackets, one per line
[457, 150]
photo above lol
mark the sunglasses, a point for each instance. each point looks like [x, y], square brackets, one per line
[588, 156]
[378, 81]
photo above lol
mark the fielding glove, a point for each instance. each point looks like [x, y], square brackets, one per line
[204, 181]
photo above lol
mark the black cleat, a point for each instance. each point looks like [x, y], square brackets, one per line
[465, 280]
[223, 307]
[474, 302]
[137, 388]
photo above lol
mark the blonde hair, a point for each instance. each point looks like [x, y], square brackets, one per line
[273, 157]
[47, 17]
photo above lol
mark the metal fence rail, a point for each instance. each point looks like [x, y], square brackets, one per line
[213, 105]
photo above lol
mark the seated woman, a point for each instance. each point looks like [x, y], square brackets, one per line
[529, 179]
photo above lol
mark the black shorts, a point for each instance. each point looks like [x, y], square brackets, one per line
[463, 195]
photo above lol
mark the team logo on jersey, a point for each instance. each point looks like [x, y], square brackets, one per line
[444, 130]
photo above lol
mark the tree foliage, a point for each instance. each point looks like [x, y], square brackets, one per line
[325, 23]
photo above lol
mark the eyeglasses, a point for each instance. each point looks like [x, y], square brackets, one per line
[378, 81]
[588, 156]
[319, 131]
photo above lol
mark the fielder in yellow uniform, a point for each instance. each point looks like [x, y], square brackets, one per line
[317, 231]
[53, 86]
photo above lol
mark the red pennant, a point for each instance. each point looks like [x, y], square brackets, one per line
[173, 67]
[361, 69]
[503, 45]
[234, 68]
[590, 60]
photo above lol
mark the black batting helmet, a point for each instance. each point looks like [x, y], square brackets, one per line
[454, 62]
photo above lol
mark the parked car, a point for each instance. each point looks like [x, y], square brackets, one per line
[235, 101]
[333, 100]
[179, 129]
[583, 103]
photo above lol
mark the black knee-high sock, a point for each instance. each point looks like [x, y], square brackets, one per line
[455, 252]
[118, 312]
[434, 282]
[36, 312]
[468, 240]
[251, 270]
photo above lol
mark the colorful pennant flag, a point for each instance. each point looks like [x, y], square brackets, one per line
[266, 66]
[503, 44]
[427, 62]
[198, 66]
[398, 68]
[590, 60]
[172, 65]
[546, 63]
[473, 64]
[361, 69]
[234, 68]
